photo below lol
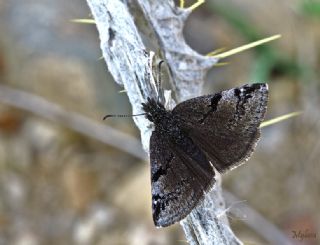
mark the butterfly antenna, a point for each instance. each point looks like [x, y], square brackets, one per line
[136, 115]
[158, 82]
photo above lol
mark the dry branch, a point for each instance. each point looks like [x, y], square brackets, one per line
[128, 62]
[75, 121]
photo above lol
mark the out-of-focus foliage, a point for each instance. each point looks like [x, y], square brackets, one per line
[310, 8]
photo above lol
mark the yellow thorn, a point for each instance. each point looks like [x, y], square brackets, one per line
[217, 51]
[122, 91]
[279, 119]
[84, 21]
[196, 5]
[245, 47]
[101, 57]
[221, 64]
[181, 5]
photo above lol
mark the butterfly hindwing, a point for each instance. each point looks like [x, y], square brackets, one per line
[220, 129]
[179, 178]
[225, 125]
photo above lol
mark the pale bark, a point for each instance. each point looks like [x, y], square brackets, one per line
[128, 61]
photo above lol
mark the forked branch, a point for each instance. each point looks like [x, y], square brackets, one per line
[129, 63]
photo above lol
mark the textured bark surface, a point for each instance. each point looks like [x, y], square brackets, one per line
[128, 61]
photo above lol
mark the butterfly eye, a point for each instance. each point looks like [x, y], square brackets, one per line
[149, 117]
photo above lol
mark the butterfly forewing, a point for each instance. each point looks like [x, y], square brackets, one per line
[178, 181]
[222, 128]
[225, 125]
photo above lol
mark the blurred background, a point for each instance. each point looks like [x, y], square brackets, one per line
[60, 183]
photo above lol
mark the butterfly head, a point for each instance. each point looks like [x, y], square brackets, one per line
[155, 111]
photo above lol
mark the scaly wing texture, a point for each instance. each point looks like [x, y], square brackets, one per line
[225, 125]
[180, 176]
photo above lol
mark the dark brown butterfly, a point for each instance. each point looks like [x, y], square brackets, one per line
[214, 131]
